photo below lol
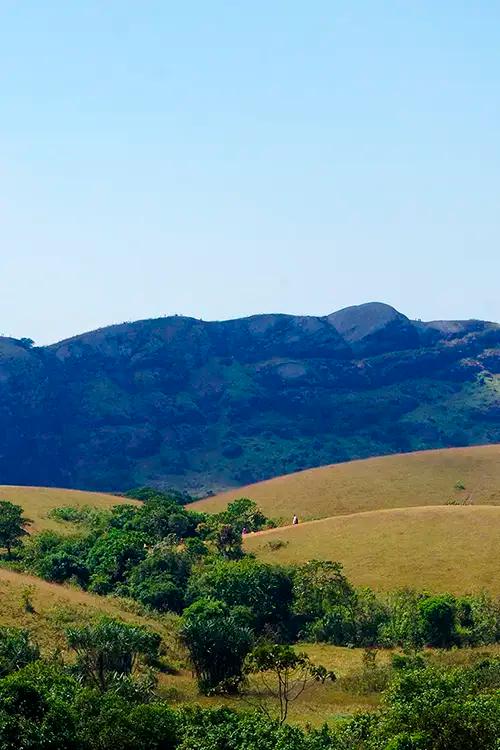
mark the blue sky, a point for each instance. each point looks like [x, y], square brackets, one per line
[219, 159]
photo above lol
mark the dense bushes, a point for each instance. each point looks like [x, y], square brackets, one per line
[266, 590]
[43, 706]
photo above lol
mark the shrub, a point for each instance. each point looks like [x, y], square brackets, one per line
[16, 650]
[218, 638]
[110, 649]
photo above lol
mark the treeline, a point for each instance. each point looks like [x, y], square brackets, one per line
[104, 698]
[169, 558]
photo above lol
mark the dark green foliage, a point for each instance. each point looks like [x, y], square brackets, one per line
[218, 638]
[439, 621]
[108, 721]
[265, 589]
[160, 580]
[12, 525]
[223, 729]
[478, 620]
[42, 707]
[36, 710]
[329, 609]
[228, 542]
[147, 494]
[438, 710]
[242, 513]
[113, 556]
[16, 650]
[57, 558]
[60, 566]
[110, 649]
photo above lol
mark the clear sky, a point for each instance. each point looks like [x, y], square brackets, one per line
[219, 159]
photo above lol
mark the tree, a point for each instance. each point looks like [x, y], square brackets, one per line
[242, 513]
[12, 523]
[160, 580]
[405, 626]
[317, 586]
[438, 615]
[325, 603]
[110, 649]
[112, 557]
[228, 542]
[284, 674]
[36, 710]
[218, 638]
[16, 650]
[265, 589]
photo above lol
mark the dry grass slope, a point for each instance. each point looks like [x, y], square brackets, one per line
[58, 607]
[38, 501]
[449, 548]
[406, 480]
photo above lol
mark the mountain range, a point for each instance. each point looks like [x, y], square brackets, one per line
[203, 406]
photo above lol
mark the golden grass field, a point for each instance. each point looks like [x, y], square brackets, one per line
[400, 481]
[58, 607]
[36, 503]
[444, 548]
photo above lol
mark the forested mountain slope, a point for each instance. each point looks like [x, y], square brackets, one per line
[208, 405]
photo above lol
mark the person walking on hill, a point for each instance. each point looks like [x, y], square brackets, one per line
[295, 520]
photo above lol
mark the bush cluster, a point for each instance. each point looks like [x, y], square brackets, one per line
[101, 703]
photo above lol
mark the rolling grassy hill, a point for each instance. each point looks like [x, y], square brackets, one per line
[443, 548]
[401, 481]
[59, 607]
[37, 502]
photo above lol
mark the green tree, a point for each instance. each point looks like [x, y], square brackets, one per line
[16, 650]
[222, 728]
[242, 513]
[36, 710]
[218, 638]
[12, 525]
[160, 580]
[405, 625]
[284, 675]
[438, 709]
[265, 589]
[110, 649]
[228, 541]
[113, 556]
[438, 615]
[318, 586]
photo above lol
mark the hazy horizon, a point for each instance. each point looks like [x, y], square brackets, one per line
[219, 161]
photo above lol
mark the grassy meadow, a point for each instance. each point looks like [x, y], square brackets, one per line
[37, 502]
[469, 475]
[444, 548]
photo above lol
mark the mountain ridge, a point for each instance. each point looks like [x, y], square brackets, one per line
[213, 404]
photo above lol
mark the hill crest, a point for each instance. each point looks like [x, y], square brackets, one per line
[207, 405]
